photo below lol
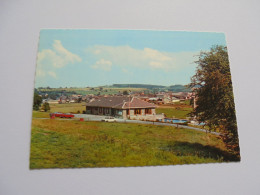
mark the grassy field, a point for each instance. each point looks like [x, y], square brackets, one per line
[38, 114]
[69, 143]
[174, 112]
[68, 107]
[64, 108]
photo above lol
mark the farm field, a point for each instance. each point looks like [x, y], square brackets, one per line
[177, 110]
[68, 143]
[68, 107]
[173, 112]
[64, 108]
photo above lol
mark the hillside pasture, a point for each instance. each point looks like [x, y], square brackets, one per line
[63, 144]
[68, 107]
[174, 112]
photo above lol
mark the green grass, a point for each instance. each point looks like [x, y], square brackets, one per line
[38, 114]
[64, 108]
[174, 112]
[63, 143]
[186, 102]
[68, 107]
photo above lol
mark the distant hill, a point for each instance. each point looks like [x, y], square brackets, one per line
[178, 88]
[173, 88]
[147, 86]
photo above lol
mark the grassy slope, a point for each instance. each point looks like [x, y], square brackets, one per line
[68, 107]
[60, 143]
[174, 112]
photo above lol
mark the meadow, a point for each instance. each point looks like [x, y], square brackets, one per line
[176, 110]
[70, 143]
[68, 107]
[173, 112]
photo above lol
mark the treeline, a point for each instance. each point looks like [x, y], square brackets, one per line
[54, 94]
[173, 88]
[147, 86]
[179, 88]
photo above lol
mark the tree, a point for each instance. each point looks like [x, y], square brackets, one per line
[37, 100]
[214, 95]
[46, 106]
[125, 92]
[79, 100]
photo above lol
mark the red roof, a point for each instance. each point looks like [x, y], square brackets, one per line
[121, 102]
[137, 103]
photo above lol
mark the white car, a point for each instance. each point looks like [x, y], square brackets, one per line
[109, 119]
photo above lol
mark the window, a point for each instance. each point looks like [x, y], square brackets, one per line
[128, 112]
[137, 111]
[107, 110]
[148, 111]
[100, 110]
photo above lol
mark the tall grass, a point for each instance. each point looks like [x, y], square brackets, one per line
[59, 144]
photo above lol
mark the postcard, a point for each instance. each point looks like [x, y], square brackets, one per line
[126, 98]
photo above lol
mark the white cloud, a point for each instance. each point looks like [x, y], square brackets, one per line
[153, 54]
[102, 65]
[126, 57]
[52, 74]
[51, 59]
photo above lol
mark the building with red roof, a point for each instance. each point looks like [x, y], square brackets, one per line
[121, 106]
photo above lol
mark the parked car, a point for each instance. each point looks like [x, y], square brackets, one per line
[62, 115]
[109, 119]
[56, 114]
[67, 115]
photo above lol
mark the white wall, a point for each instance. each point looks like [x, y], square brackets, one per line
[20, 23]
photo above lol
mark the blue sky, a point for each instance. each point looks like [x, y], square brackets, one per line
[80, 58]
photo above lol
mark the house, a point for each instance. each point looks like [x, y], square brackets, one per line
[123, 107]
[174, 100]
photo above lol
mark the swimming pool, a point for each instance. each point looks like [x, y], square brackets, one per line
[169, 120]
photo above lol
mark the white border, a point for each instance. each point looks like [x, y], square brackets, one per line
[21, 22]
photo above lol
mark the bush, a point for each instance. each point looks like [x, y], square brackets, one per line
[37, 100]
[46, 107]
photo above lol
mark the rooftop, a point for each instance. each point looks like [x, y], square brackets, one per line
[120, 102]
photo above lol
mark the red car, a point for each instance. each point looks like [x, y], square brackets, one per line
[67, 115]
[62, 115]
[56, 114]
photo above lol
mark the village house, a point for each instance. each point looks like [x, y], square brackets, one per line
[123, 107]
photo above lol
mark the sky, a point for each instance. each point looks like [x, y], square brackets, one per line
[81, 58]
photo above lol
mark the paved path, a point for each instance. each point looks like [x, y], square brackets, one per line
[88, 117]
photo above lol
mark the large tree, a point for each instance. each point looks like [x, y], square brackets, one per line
[37, 100]
[214, 95]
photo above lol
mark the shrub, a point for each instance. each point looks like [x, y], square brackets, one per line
[46, 107]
